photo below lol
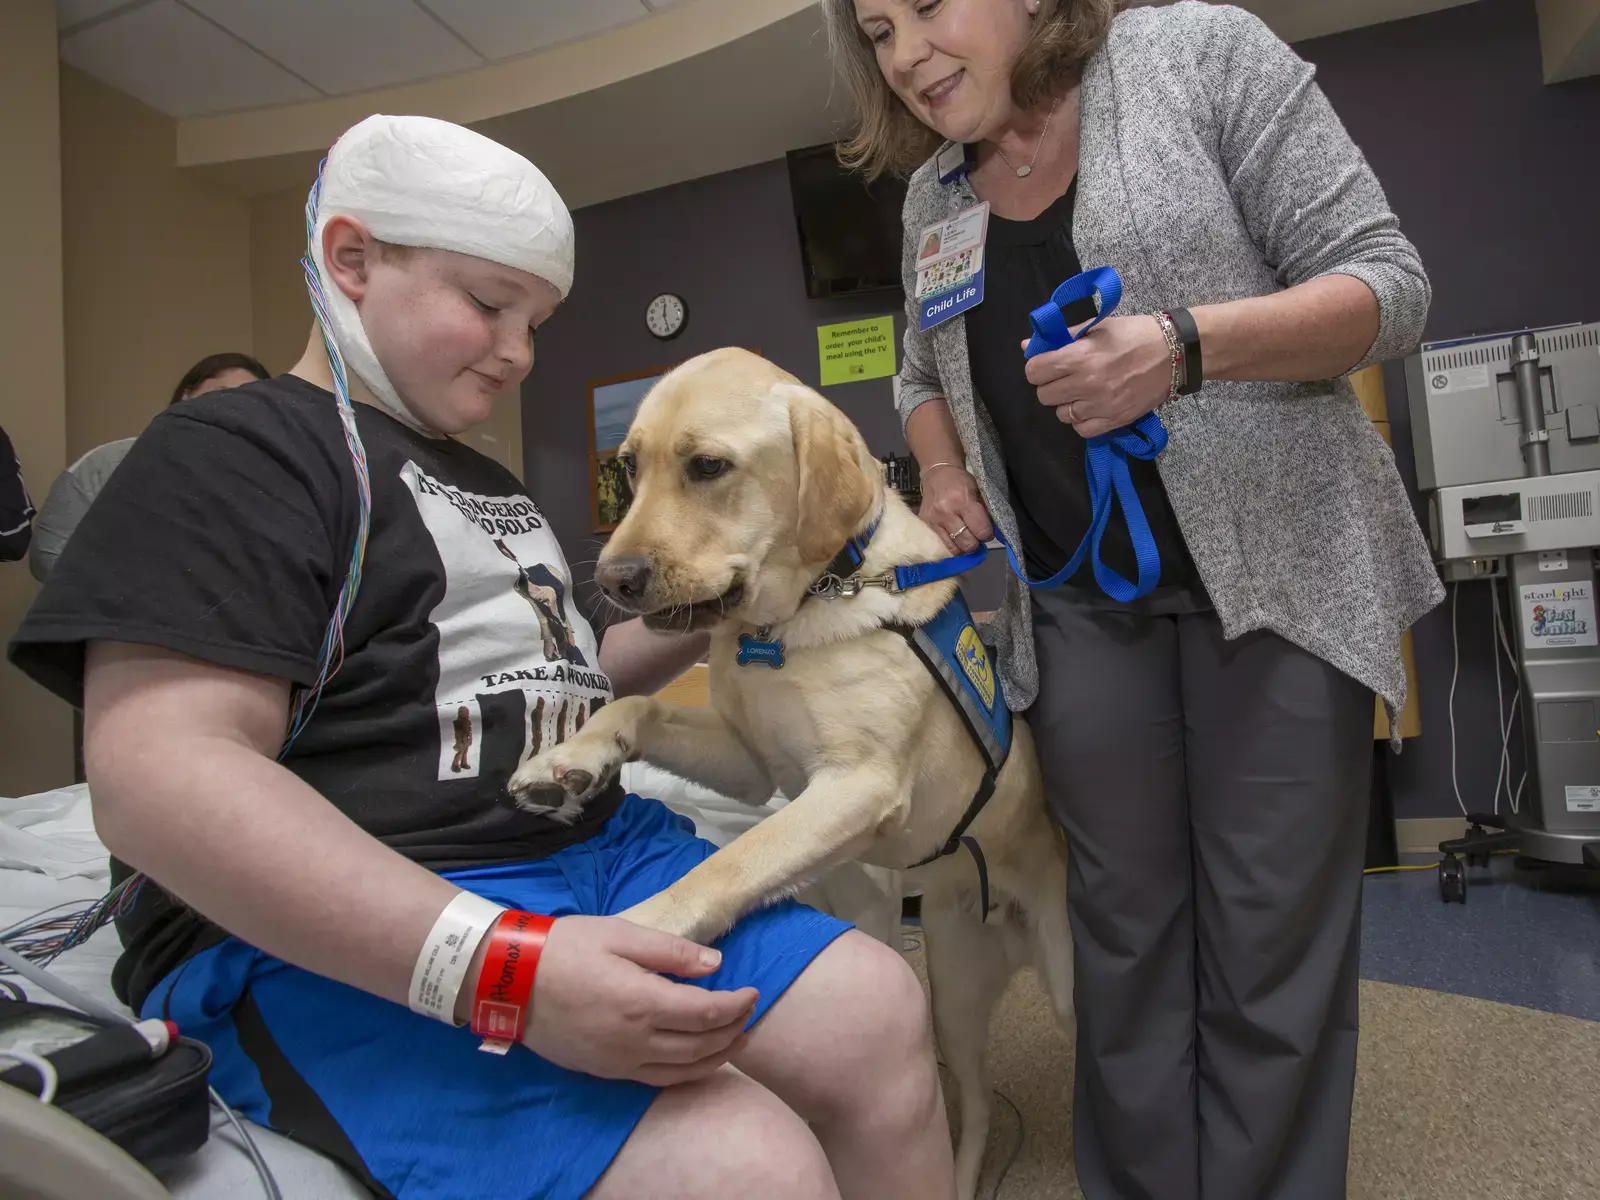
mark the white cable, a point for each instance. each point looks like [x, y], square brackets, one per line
[1502, 775]
[268, 1180]
[56, 987]
[1455, 674]
[1516, 701]
[61, 990]
[42, 1067]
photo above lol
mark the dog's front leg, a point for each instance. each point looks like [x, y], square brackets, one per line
[834, 819]
[695, 743]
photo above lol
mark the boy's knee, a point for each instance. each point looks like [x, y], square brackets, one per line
[884, 1037]
[890, 1006]
[724, 1135]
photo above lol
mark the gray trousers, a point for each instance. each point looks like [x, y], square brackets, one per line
[1214, 796]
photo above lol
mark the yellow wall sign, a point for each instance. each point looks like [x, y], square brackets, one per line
[856, 350]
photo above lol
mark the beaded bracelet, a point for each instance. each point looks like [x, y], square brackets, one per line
[1175, 349]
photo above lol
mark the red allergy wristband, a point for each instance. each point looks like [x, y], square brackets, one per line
[503, 996]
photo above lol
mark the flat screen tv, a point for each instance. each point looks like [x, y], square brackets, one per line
[849, 229]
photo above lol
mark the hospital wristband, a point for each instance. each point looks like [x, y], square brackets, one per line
[447, 954]
[504, 995]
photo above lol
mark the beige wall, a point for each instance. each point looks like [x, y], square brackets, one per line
[279, 308]
[120, 272]
[35, 728]
[157, 264]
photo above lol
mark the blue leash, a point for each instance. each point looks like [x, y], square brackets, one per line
[1106, 465]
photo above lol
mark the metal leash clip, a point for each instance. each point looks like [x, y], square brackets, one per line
[834, 587]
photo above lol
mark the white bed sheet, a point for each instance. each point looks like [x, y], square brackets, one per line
[50, 855]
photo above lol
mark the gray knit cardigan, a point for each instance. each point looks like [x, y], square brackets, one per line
[1212, 168]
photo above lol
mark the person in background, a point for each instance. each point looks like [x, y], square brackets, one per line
[16, 510]
[1206, 748]
[76, 487]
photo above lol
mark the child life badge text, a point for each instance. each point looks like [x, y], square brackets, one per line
[950, 266]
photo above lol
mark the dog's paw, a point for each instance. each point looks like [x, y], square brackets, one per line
[563, 778]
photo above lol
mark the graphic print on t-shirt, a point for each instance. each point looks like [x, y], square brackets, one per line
[506, 626]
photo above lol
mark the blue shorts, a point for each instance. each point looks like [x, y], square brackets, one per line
[410, 1105]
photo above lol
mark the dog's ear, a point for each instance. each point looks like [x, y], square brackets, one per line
[835, 491]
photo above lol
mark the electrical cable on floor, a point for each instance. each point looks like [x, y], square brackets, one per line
[1016, 1151]
[912, 941]
[1433, 866]
[1022, 1135]
[61, 990]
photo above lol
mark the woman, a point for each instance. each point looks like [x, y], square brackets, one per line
[217, 372]
[76, 487]
[1207, 745]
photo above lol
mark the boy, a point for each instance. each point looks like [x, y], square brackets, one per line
[199, 593]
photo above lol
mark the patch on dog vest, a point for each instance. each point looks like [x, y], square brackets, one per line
[950, 648]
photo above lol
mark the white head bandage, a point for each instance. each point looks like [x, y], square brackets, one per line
[416, 181]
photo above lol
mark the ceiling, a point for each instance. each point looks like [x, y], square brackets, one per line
[191, 58]
[197, 57]
[609, 97]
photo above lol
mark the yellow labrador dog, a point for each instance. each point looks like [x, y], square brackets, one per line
[747, 485]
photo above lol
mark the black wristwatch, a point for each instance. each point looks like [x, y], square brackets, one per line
[1189, 337]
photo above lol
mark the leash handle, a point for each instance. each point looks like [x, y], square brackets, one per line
[1106, 460]
[1049, 323]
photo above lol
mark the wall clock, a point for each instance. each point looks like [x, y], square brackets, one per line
[666, 315]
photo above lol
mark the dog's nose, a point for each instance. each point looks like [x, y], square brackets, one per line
[624, 578]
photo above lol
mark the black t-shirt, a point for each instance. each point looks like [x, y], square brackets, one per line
[1024, 262]
[225, 535]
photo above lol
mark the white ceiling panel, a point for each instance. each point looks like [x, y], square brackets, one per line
[179, 63]
[501, 29]
[345, 46]
[76, 12]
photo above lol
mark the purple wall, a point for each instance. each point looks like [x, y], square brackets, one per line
[728, 245]
[1494, 175]
[1492, 172]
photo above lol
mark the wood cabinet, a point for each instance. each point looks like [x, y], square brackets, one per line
[1368, 384]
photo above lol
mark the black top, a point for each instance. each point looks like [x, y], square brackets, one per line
[225, 535]
[1024, 262]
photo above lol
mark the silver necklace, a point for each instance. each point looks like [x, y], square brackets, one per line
[1027, 168]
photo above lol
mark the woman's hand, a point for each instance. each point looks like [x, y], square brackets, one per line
[601, 1004]
[1110, 377]
[953, 508]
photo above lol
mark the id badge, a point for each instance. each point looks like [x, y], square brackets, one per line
[950, 266]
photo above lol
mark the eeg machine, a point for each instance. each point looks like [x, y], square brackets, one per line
[1507, 443]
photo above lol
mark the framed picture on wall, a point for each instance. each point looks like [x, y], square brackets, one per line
[609, 485]
[612, 403]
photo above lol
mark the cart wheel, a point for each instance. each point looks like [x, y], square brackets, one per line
[1452, 880]
[1478, 860]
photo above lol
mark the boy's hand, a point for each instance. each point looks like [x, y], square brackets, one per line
[601, 1005]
